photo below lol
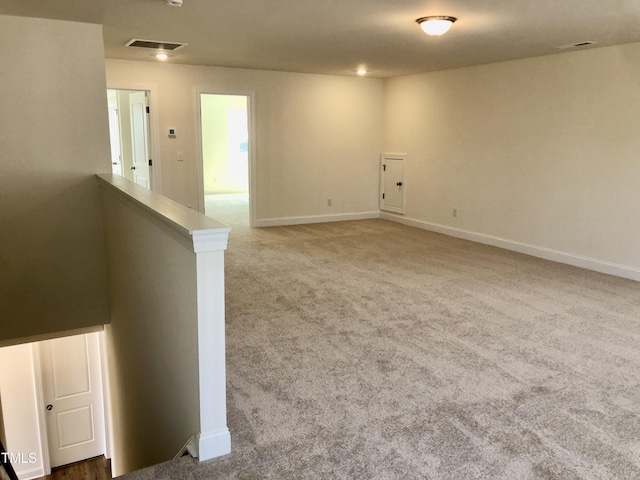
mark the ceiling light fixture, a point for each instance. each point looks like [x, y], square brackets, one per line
[436, 25]
[362, 71]
[174, 3]
[162, 56]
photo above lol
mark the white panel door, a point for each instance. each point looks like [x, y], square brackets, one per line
[392, 183]
[139, 138]
[72, 391]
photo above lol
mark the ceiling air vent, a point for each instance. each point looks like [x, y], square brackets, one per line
[154, 45]
[576, 45]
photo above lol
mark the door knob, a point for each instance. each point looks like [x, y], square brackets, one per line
[49, 407]
[399, 184]
[133, 168]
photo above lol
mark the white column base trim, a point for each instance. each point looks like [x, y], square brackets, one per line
[596, 265]
[213, 444]
[338, 217]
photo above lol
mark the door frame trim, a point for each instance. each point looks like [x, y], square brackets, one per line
[154, 132]
[253, 176]
[106, 396]
[42, 422]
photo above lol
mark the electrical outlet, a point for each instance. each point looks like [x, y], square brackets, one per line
[329, 202]
[455, 212]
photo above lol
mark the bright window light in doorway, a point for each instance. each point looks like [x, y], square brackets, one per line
[162, 56]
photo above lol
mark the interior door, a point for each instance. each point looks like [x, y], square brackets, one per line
[139, 138]
[72, 392]
[392, 183]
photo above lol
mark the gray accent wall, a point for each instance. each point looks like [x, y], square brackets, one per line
[54, 137]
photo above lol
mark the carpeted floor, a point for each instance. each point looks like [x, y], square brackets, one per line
[372, 350]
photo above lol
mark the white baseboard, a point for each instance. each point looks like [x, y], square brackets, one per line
[213, 444]
[31, 473]
[533, 250]
[340, 217]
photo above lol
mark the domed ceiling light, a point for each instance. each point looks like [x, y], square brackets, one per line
[436, 25]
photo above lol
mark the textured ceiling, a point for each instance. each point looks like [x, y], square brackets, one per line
[336, 37]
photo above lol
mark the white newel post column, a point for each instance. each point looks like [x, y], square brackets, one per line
[214, 438]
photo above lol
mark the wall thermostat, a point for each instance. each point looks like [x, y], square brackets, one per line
[171, 133]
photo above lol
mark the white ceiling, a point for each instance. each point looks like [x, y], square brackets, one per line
[337, 36]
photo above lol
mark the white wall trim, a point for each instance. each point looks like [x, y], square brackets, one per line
[213, 444]
[338, 217]
[214, 438]
[106, 394]
[31, 473]
[209, 240]
[528, 249]
[42, 421]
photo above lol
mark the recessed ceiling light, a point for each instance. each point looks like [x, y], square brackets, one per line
[162, 56]
[362, 71]
[436, 25]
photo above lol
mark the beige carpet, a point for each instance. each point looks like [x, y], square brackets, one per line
[374, 350]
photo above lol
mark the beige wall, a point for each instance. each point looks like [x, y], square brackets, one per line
[54, 137]
[316, 137]
[152, 341]
[542, 151]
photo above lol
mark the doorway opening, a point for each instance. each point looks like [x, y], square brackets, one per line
[129, 132]
[225, 157]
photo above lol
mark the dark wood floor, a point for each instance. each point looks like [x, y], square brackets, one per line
[98, 468]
